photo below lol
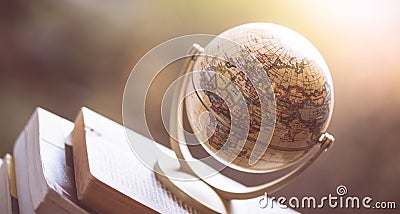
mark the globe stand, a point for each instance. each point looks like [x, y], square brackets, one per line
[216, 194]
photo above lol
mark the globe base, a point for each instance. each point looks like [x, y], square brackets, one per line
[205, 198]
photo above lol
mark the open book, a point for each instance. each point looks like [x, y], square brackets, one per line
[109, 177]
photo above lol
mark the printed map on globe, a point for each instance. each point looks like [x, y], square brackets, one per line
[298, 95]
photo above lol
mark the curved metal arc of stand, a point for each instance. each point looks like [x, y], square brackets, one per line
[198, 192]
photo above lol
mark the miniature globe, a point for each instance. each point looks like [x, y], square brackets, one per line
[296, 91]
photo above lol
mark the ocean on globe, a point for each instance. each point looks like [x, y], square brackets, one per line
[267, 65]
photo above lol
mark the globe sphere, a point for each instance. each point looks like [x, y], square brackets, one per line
[270, 65]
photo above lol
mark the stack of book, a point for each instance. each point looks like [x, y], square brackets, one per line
[83, 167]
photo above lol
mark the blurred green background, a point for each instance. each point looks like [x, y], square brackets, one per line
[62, 55]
